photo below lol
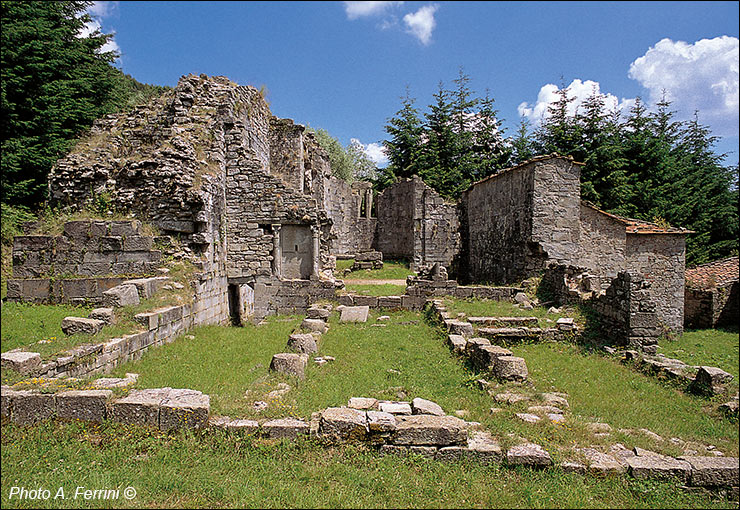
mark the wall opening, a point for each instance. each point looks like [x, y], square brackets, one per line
[234, 305]
[296, 245]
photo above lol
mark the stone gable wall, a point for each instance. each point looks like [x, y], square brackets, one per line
[603, 243]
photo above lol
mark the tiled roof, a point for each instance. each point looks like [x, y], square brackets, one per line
[714, 274]
[632, 226]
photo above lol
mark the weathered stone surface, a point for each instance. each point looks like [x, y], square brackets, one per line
[343, 424]
[404, 451]
[184, 408]
[540, 410]
[147, 287]
[503, 321]
[457, 342]
[302, 343]
[485, 357]
[481, 447]
[713, 471]
[285, 428]
[316, 325]
[399, 408]
[730, 408]
[555, 399]
[354, 314]
[655, 466]
[511, 368]
[556, 417]
[29, 407]
[511, 398]
[462, 328]
[290, 363]
[85, 405]
[6, 401]
[77, 325]
[598, 428]
[21, 361]
[121, 295]
[139, 407]
[429, 430]
[529, 454]
[115, 382]
[362, 403]
[528, 418]
[422, 406]
[103, 314]
[709, 380]
[602, 463]
[379, 422]
[318, 313]
[572, 467]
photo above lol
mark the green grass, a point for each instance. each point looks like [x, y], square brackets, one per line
[186, 470]
[24, 325]
[492, 308]
[392, 270]
[383, 289]
[712, 347]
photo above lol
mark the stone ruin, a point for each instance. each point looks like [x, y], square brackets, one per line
[252, 199]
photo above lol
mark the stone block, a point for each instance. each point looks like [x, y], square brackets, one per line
[21, 361]
[103, 314]
[85, 405]
[139, 407]
[137, 243]
[290, 364]
[124, 227]
[343, 424]
[455, 327]
[713, 471]
[389, 302]
[362, 403]
[29, 407]
[602, 463]
[709, 380]
[81, 325]
[398, 408]
[485, 357]
[249, 427]
[422, 406]
[149, 320]
[184, 408]
[302, 343]
[655, 466]
[427, 430]
[121, 295]
[457, 343]
[318, 313]
[111, 243]
[369, 301]
[511, 368]
[316, 325]
[354, 314]
[285, 428]
[404, 451]
[481, 448]
[529, 454]
[147, 287]
[380, 422]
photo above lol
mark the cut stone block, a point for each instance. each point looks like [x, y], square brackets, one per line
[399, 408]
[429, 430]
[554, 399]
[22, 362]
[85, 405]
[511, 368]
[511, 398]
[422, 406]
[121, 295]
[290, 364]
[544, 410]
[29, 407]
[318, 313]
[77, 325]
[528, 418]
[457, 342]
[302, 343]
[529, 454]
[655, 466]
[459, 328]
[103, 314]
[285, 428]
[115, 382]
[184, 408]
[485, 357]
[601, 463]
[481, 447]
[379, 422]
[147, 287]
[362, 403]
[354, 314]
[316, 325]
[343, 424]
[598, 428]
[249, 427]
[713, 471]
[709, 380]
[503, 321]
[140, 407]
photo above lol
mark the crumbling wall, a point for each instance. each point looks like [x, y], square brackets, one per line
[603, 242]
[661, 259]
[353, 230]
[287, 153]
[395, 227]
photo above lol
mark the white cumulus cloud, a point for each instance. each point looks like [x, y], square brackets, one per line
[700, 76]
[421, 23]
[579, 90]
[97, 11]
[374, 151]
[356, 10]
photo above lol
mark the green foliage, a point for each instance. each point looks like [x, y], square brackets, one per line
[54, 85]
[12, 219]
[348, 163]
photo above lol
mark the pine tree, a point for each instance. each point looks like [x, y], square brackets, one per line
[523, 144]
[490, 151]
[404, 146]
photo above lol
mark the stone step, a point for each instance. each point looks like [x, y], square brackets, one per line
[503, 321]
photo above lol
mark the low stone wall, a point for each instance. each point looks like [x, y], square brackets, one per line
[436, 288]
[626, 308]
[710, 308]
[62, 290]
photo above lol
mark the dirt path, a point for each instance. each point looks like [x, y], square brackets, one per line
[374, 282]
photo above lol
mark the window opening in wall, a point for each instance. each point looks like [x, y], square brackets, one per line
[374, 208]
[363, 206]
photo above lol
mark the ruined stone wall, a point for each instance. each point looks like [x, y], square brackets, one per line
[287, 152]
[352, 232]
[661, 258]
[395, 227]
[603, 243]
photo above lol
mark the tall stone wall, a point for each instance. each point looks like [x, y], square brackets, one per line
[661, 258]
[603, 242]
[287, 153]
[353, 230]
[415, 222]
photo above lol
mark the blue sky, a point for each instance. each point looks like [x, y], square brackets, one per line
[343, 66]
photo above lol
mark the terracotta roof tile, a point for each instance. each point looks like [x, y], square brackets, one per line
[714, 274]
[633, 226]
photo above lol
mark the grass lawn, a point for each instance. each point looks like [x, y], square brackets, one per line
[219, 471]
[392, 270]
[712, 347]
[382, 289]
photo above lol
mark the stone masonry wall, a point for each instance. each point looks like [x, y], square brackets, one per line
[352, 232]
[602, 244]
[396, 220]
[661, 259]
